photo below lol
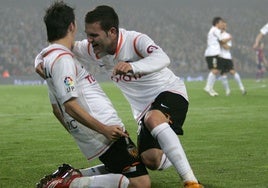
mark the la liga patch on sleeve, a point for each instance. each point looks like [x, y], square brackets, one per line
[69, 84]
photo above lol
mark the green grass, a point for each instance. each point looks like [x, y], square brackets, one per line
[225, 137]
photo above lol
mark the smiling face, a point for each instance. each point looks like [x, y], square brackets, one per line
[102, 41]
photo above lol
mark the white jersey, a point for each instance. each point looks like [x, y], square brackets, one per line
[68, 79]
[213, 42]
[149, 64]
[264, 29]
[226, 53]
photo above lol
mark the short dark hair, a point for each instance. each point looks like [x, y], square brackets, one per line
[216, 20]
[58, 18]
[104, 14]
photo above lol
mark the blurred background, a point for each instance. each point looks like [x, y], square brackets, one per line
[180, 27]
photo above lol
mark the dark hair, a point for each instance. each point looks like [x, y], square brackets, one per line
[104, 14]
[58, 18]
[216, 20]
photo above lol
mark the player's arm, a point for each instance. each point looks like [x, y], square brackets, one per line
[225, 40]
[226, 46]
[263, 31]
[222, 40]
[257, 40]
[153, 58]
[64, 73]
[57, 113]
[73, 108]
[38, 65]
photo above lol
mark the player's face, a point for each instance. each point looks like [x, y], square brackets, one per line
[224, 26]
[219, 25]
[101, 40]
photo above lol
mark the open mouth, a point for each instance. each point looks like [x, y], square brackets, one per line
[95, 45]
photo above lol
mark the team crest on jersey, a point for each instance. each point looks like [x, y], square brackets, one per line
[69, 83]
[151, 48]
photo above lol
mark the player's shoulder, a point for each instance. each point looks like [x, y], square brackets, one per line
[80, 43]
[129, 33]
[226, 34]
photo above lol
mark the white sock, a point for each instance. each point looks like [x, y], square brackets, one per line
[171, 146]
[164, 163]
[93, 171]
[225, 82]
[238, 80]
[101, 181]
[210, 81]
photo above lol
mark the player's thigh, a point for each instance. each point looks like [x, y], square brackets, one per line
[230, 65]
[174, 107]
[223, 66]
[212, 62]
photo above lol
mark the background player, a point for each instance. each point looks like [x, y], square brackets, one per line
[260, 59]
[227, 65]
[212, 53]
[261, 62]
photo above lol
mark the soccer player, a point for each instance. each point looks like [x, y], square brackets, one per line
[82, 107]
[227, 63]
[262, 33]
[212, 52]
[259, 59]
[157, 97]
[261, 62]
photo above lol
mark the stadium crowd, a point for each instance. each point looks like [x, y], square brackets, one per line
[180, 28]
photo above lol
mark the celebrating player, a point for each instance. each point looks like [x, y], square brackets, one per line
[227, 66]
[157, 97]
[212, 53]
[82, 107]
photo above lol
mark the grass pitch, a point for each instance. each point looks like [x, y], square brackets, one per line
[225, 137]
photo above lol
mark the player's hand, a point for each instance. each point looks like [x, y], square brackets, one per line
[122, 68]
[114, 132]
[39, 70]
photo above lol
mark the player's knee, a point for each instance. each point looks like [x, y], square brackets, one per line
[151, 159]
[153, 118]
[141, 181]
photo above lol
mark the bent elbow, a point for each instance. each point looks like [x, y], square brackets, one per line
[167, 60]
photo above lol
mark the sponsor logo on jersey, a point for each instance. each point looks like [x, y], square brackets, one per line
[69, 84]
[90, 78]
[126, 78]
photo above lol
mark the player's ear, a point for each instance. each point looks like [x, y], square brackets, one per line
[112, 32]
[72, 27]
